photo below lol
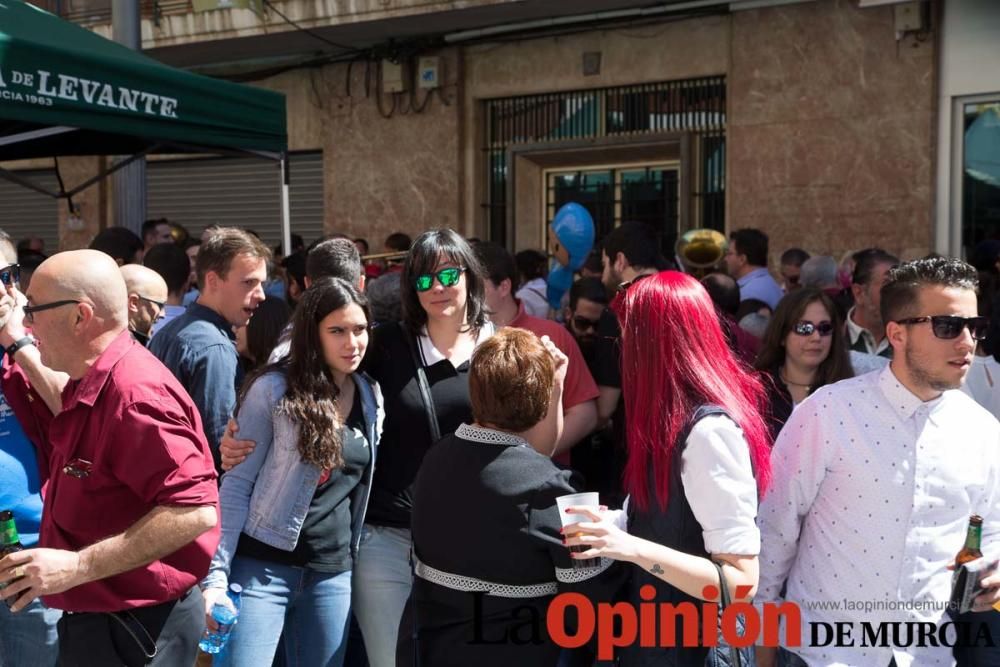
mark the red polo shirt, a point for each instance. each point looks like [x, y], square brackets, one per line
[141, 434]
[579, 386]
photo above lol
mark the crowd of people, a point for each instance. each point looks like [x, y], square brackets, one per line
[373, 449]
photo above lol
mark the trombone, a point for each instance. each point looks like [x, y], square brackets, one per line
[700, 250]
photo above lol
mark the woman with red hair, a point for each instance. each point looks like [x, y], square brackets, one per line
[697, 457]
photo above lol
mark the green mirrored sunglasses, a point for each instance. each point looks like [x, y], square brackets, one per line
[447, 278]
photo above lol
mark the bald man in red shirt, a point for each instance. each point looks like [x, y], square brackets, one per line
[130, 516]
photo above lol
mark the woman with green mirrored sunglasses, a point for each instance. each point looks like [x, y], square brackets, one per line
[448, 277]
[444, 320]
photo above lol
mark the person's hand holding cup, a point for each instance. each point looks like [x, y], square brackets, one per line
[590, 499]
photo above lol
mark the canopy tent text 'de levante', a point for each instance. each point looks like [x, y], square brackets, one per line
[65, 90]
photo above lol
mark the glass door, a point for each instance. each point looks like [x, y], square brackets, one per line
[612, 195]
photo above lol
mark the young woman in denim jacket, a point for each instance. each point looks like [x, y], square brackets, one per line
[292, 512]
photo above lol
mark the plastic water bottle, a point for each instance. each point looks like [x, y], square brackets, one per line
[225, 613]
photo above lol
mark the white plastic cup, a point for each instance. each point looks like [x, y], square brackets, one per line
[589, 499]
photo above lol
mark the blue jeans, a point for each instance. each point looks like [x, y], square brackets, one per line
[312, 608]
[29, 636]
[382, 585]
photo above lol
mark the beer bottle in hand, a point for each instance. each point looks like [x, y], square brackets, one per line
[973, 539]
[9, 543]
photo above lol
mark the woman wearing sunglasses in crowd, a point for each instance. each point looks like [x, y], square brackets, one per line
[804, 348]
[444, 321]
[292, 513]
[697, 460]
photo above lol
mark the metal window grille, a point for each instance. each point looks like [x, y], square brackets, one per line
[687, 105]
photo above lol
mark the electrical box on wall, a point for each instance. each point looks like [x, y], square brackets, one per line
[429, 72]
[393, 80]
[908, 17]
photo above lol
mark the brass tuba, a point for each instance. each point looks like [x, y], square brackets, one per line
[700, 250]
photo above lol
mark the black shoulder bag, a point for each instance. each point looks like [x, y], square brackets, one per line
[425, 388]
[435, 430]
[717, 656]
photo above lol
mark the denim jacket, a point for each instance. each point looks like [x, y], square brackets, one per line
[268, 495]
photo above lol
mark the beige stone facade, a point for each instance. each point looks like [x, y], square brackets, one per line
[829, 133]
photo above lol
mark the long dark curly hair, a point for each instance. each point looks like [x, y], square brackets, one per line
[311, 395]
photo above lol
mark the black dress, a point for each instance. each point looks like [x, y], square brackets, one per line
[489, 556]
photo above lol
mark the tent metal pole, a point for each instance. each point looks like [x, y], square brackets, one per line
[117, 165]
[129, 178]
[217, 150]
[286, 216]
[20, 180]
[36, 134]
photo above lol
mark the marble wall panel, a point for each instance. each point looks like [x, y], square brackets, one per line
[830, 129]
[385, 175]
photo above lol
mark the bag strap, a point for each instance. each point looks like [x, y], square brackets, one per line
[134, 627]
[724, 600]
[425, 388]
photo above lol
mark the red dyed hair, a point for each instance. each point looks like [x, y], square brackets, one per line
[674, 359]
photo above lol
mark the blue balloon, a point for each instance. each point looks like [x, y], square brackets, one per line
[559, 281]
[574, 229]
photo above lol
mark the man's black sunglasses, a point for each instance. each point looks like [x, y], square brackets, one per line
[29, 311]
[159, 304]
[623, 287]
[10, 274]
[583, 323]
[948, 327]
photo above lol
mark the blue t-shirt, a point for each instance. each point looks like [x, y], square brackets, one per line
[19, 483]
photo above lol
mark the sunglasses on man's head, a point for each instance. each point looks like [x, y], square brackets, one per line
[948, 327]
[10, 274]
[807, 328]
[447, 277]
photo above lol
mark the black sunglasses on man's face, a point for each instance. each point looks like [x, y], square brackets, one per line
[947, 327]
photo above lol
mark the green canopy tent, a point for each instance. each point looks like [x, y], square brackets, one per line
[65, 90]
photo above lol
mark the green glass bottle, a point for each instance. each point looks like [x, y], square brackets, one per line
[9, 539]
[10, 542]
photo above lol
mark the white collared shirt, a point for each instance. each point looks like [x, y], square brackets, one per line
[871, 496]
[430, 355]
[716, 458]
[855, 331]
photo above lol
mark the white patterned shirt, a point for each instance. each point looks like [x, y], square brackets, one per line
[870, 501]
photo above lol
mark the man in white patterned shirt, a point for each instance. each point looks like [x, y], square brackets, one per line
[874, 482]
